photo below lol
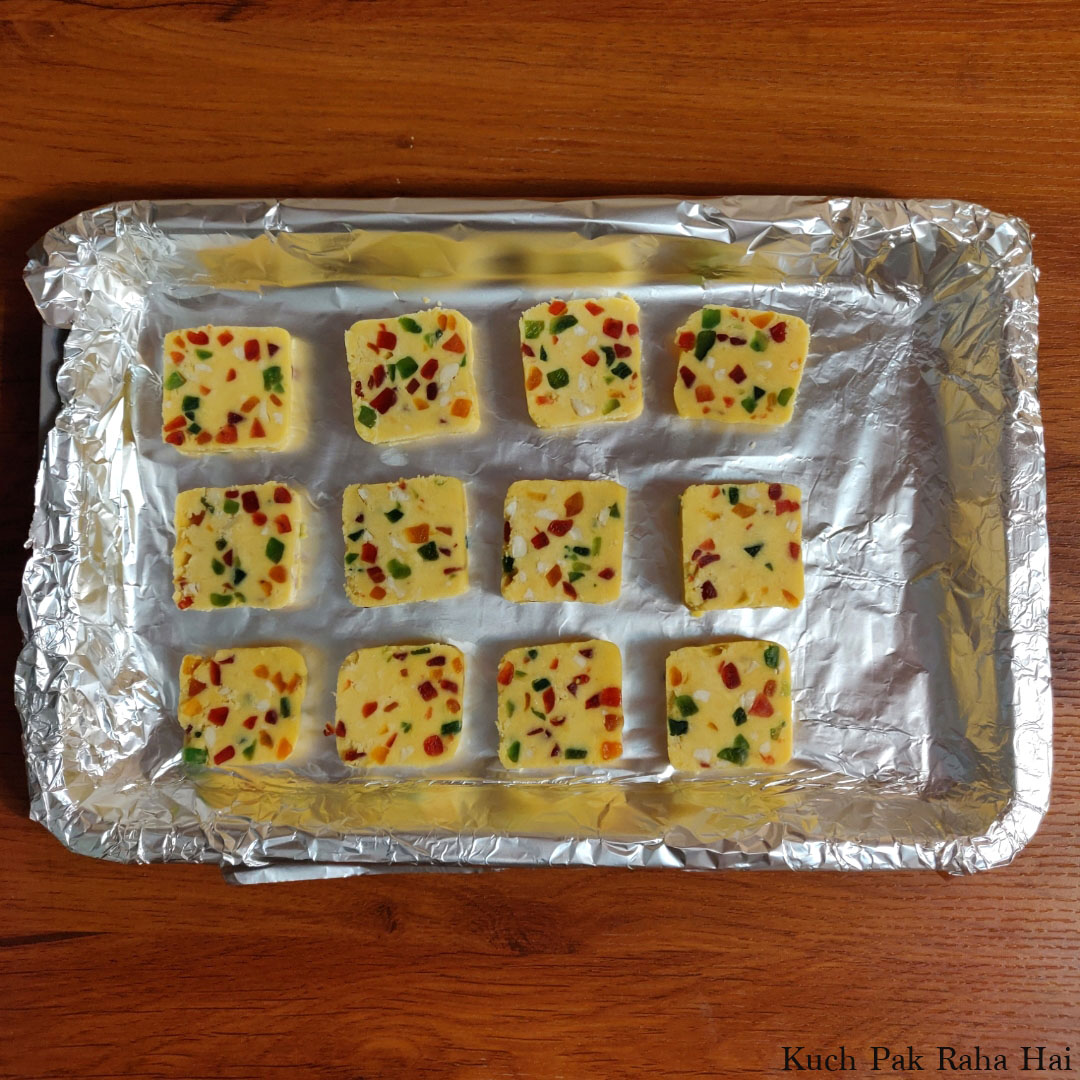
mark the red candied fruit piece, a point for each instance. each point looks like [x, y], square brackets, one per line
[708, 591]
[218, 716]
[386, 339]
[632, 329]
[250, 501]
[429, 369]
[198, 337]
[730, 674]
[778, 332]
[687, 376]
[775, 491]
[762, 706]
[527, 350]
[506, 674]
[686, 340]
[569, 590]
[549, 699]
[224, 755]
[235, 418]
[282, 495]
[707, 558]
[433, 746]
[560, 527]
[427, 691]
[786, 506]
[369, 553]
[592, 358]
[381, 402]
[454, 344]
[232, 493]
[593, 308]
[611, 696]
[227, 434]
[369, 708]
[432, 391]
[793, 549]
[224, 337]
[736, 374]
[623, 351]
[258, 518]
[412, 386]
[556, 307]
[175, 437]
[607, 573]
[251, 349]
[540, 541]
[613, 328]
[376, 574]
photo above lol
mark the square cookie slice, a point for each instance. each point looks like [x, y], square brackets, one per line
[400, 705]
[241, 706]
[227, 388]
[412, 376]
[560, 704]
[237, 547]
[563, 540]
[405, 541]
[742, 546]
[740, 366]
[582, 361]
[729, 706]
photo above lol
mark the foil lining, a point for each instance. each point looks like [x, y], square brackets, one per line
[920, 660]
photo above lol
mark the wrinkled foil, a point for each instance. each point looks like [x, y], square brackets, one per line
[920, 663]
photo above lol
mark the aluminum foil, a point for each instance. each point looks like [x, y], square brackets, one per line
[920, 663]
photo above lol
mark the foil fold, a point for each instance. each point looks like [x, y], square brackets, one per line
[921, 670]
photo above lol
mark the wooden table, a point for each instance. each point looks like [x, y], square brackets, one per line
[114, 970]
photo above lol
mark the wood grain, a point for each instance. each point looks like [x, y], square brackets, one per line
[166, 972]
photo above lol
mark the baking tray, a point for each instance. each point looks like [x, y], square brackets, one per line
[920, 665]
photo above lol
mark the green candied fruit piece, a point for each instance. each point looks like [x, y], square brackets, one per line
[785, 395]
[367, 416]
[686, 705]
[411, 326]
[513, 751]
[217, 566]
[451, 727]
[740, 717]
[533, 328]
[562, 322]
[190, 403]
[420, 652]
[678, 727]
[351, 558]
[772, 657]
[249, 751]
[610, 405]
[204, 354]
[613, 510]
[759, 341]
[609, 354]
[398, 570]
[272, 379]
[621, 370]
[432, 337]
[706, 339]
[429, 552]
[558, 378]
[220, 600]
[753, 550]
[286, 707]
[710, 318]
[749, 404]
[406, 366]
[274, 549]
[175, 381]
[394, 515]
[733, 496]
[577, 575]
[230, 506]
[576, 753]
[195, 755]
[737, 753]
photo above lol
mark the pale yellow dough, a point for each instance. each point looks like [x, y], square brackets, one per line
[560, 704]
[742, 546]
[400, 705]
[729, 707]
[242, 706]
[412, 376]
[582, 361]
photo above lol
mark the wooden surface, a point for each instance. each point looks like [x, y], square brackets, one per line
[113, 971]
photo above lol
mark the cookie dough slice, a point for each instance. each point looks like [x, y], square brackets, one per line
[742, 546]
[563, 540]
[227, 388]
[729, 706]
[405, 541]
[237, 547]
[412, 376]
[400, 705]
[740, 366]
[560, 704]
[241, 706]
[582, 361]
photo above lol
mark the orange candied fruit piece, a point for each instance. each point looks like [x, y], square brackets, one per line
[262, 672]
[378, 754]
[461, 407]
[610, 750]
[284, 749]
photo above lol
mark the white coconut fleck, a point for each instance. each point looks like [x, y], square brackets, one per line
[546, 515]
[447, 375]
[278, 418]
[398, 495]
[765, 365]
[579, 330]
[603, 517]
[703, 754]
[701, 695]
[710, 362]
[752, 666]
[582, 382]
[444, 400]
[580, 660]
[407, 752]
[511, 508]
[518, 548]
[747, 699]
[397, 544]
[529, 594]
[765, 747]
[541, 567]
[792, 525]
[582, 408]
[593, 339]
[263, 705]
[203, 367]
[794, 365]
[363, 493]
